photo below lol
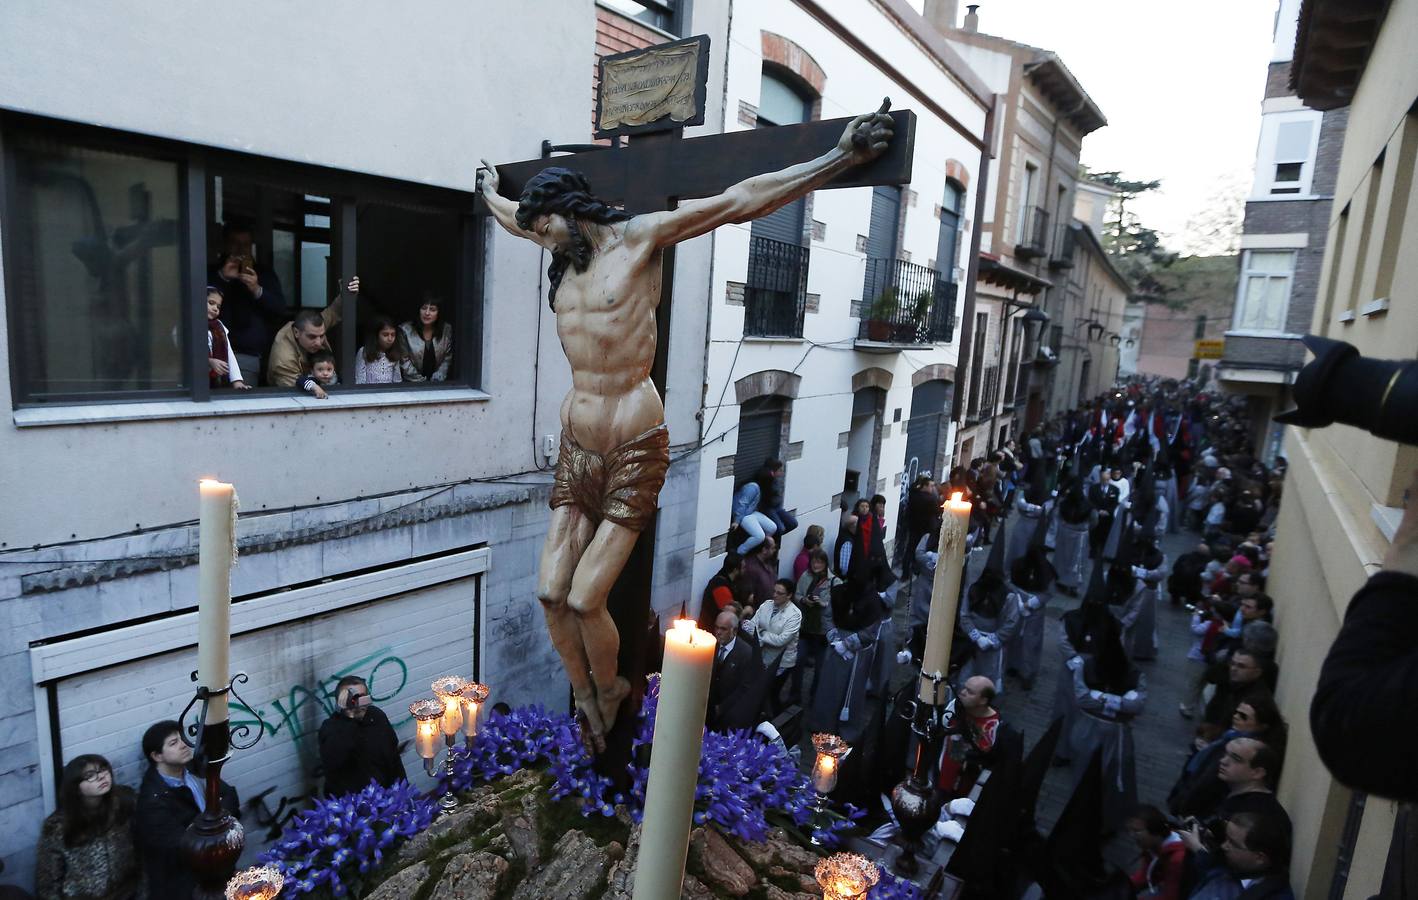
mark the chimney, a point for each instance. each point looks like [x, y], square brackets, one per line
[972, 18]
[942, 13]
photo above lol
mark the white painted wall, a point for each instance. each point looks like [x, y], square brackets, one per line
[824, 358]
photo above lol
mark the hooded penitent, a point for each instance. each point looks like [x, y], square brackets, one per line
[1033, 572]
[988, 592]
[1075, 507]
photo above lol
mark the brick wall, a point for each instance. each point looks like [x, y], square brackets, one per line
[1264, 352]
[1290, 217]
[1327, 154]
[1277, 80]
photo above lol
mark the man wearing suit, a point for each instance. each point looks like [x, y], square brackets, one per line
[734, 681]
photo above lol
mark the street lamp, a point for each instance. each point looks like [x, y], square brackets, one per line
[1034, 321]
[1115, 339]
[846, 876]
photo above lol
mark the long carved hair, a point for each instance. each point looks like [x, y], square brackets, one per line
[562, 191]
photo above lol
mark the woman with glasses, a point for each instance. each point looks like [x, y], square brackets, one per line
[86, 846]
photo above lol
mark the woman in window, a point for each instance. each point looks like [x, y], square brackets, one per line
[86, 845]
[379, 361]
[428, 344]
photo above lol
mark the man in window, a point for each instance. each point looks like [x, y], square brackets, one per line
[252, 297]
[298, 341]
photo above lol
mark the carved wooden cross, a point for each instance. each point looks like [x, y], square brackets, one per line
[655, 172]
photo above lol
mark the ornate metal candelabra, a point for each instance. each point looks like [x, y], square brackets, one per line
[915, 801]
[456, 708]
[214, 841]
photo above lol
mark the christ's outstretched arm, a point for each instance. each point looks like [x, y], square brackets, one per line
[865, 138]
[504, 210]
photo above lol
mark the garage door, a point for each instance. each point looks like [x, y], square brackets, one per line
[930, 408]
[399, 643]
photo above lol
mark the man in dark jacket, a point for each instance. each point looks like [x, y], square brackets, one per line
[170, 797]
[357, 743]
[253, 303]
[736, 684]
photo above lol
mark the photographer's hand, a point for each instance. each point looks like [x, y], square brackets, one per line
[1192, 838]
[1402, 555]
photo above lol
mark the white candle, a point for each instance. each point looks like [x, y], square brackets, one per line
[824, 773]
[945, 597]
[216, 547]
[674, 761]
[426, 738]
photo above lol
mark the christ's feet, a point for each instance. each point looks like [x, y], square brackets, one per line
[593, 729]
[608, 700]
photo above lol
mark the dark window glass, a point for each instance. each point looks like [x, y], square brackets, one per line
[1288, 171]
[659, 13]
[94, 275]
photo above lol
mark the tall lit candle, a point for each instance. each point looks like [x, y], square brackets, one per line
[945, 597]
[674, 760]
[216, 550]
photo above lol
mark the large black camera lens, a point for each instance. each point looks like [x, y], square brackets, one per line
[1339, 385]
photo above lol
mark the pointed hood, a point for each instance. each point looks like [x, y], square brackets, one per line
[988, 592]
[1073, 864]
[1038, 491]
[995, 563]
[994, 824]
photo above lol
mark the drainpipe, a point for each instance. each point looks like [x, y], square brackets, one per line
[972, 267]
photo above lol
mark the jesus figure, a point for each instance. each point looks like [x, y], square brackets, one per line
[605, 285]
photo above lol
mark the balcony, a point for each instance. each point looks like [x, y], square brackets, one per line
[776, 290]
[1062, 256]
[905, 305]
[1034, 236]
[984, 391]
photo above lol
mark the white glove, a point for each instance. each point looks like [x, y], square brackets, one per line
[841, 649]
[975, 635]
[1130, 696]
[961, 807]
[1032, 602]
[903, 657]
[1096, 695]
[949, 831]
[1139, 571]
[1074, 663]
[982, 642]
[994, 640]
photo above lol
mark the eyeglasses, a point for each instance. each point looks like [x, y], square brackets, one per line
[94, 775]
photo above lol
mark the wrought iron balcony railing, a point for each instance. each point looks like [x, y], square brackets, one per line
[776, 290]
[1034, 236]
[903, 303]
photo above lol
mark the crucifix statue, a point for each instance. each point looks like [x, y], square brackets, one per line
[606, 274]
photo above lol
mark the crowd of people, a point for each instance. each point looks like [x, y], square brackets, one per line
[1077, 508]
[116, 842]
[251, 340]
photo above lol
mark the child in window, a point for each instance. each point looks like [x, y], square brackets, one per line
[378, 361]
[222, 367]
[321, 375]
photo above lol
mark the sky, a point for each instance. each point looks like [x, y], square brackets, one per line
[1180, 82]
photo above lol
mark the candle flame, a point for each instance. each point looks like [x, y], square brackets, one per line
[955, 497]
[685, 626]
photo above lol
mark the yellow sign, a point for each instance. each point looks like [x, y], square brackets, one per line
[1209, 349]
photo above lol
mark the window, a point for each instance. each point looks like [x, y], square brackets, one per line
[775, 294]
[1285, 161]
[1026, 203]
[93, 268]
[1200, 327]
[948, 243]
[110, 239]
[662, 14]
[1264, 290]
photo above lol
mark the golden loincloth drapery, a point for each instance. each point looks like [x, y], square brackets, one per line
[622, 486]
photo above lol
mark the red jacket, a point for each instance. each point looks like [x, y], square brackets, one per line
[1162, 874]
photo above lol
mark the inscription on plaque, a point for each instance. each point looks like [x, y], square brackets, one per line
[653, 89]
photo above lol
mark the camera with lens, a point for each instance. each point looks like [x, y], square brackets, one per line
[1340, 385]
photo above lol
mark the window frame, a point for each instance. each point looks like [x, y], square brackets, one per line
[1247, 273]
[197, 166]
[1267, 160]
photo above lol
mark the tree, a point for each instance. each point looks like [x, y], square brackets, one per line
[1136, 250]
[1215, 229]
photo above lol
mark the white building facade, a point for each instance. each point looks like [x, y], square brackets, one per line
[389, 531]
[833, 336]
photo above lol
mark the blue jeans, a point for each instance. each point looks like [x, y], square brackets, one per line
[757, 526]
[784, 520]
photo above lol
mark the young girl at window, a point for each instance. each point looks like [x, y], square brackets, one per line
[378, 362]
[222, 367]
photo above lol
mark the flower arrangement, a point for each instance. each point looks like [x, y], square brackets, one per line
[340, 841]
[889, 887]
[746, 786]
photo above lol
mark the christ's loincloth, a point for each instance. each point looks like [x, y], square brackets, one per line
[622, 485]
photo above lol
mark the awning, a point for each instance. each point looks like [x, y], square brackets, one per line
[993, 271]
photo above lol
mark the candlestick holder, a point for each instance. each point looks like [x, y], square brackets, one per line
[915, 801]
[213, 842]
[831, 750]
[263, 883]
[846, 876]
[456, 708]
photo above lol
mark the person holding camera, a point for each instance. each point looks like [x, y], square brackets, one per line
[1252, 860]
[254, 300]
[357, 743]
